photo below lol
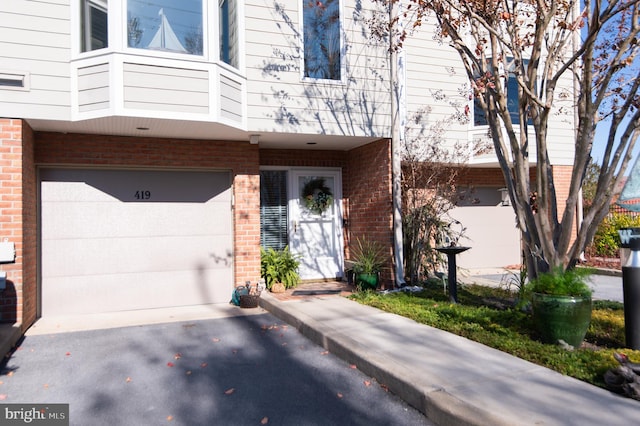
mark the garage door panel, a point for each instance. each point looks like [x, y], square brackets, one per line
[105, 250]
[122, 292]
[135, 185]
[78, 219]
[98, 256]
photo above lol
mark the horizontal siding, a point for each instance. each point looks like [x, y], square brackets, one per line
[35, 38]
[165, 89]
[93, 88]
[280, 101]
[230, 99]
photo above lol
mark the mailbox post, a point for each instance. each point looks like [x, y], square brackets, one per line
[630, 239]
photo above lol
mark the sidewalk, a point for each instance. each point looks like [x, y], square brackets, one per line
[452, 380]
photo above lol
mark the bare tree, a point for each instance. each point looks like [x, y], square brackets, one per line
[577, 56]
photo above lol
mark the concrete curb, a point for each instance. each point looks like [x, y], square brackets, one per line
[435, 403]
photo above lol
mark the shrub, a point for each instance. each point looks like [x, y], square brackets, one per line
[606, 241]
[279, 266]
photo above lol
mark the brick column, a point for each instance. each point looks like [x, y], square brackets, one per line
[18, 302]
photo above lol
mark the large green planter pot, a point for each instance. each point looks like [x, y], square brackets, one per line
[367, 281]
[561, 317]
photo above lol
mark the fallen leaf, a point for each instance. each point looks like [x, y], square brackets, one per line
[385, 387]
[1, 382]
[169, 364]
[367, 383]
[10, 373]
[45, 386]
[177, 356]
[215, 339]
[324, 353]
[340, 395]
[188, 372]
[3, 396]
[128, 380]
[169, 418]
[68, 354]
[229, 391]
[353, 366]
[203, 365]
[264, 420]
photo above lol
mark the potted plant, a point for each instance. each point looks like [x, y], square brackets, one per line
[561, 305]
[279, 268]
[368, 258]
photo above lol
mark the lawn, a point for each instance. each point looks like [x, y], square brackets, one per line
[489, 316]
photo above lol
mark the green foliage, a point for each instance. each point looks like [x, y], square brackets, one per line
[590, 183]
[606, 241]
[279, 266]
[559, 282]
[501, 326]
[368, 256]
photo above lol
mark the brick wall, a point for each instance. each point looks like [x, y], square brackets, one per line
[562, 182]
[18, 221]
[241, 158]
[370, 204]
[366, 182]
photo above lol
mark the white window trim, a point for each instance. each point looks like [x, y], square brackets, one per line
[21, 78]
[343, 49]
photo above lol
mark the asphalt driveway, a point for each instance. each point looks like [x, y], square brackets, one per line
[244, 370]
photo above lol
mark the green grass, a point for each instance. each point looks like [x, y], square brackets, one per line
[487, 315]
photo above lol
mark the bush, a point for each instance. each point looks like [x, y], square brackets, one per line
[279, 266]
[606, 241]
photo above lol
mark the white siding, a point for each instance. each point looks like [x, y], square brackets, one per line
[230, 99]
[34, 38]
[436, 82]
[165, 89]
[93, 87]
[280, 101]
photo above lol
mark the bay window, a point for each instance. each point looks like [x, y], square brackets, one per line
[165, 25]
[94, 25]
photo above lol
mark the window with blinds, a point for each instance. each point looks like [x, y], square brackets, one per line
[273, 209]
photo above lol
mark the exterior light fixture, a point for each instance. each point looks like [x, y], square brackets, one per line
[504, 197]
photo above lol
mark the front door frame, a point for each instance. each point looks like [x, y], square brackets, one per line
[337, 218]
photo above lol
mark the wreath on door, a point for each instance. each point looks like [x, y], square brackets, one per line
[316, 196]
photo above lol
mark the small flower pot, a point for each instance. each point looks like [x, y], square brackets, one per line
[564, 318]
[277, 288]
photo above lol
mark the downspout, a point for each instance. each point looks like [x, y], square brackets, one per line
[398, 119]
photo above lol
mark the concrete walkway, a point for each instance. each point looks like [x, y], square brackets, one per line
[452, 380]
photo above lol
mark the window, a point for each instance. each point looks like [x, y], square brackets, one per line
[273, 209]
[479, 118]
[228, 33]
[94, 25]
[322, 46]
[166, 25]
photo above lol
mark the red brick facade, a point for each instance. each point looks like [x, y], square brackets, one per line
[366, 181]
[18, 218]
[366, 191]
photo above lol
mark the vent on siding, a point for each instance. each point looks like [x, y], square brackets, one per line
[13, 80]
[273, 209]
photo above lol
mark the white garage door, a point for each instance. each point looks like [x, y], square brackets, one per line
[490, 231]
[116, 240]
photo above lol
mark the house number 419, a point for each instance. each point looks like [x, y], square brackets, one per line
[143, 195]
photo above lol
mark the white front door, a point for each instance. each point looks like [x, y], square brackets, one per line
[315, 228]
